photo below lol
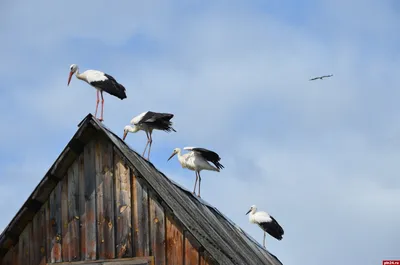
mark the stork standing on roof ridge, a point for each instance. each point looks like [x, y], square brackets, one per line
[102, 82]
[266, 222]
[149, 121]
[197, 160]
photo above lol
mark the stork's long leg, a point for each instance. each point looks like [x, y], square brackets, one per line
[102, 105]
[97, 103]
[198, 195]
[148, 140]
[264, 241]
[195, 183]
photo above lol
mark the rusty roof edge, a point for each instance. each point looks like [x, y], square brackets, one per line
[43, 181]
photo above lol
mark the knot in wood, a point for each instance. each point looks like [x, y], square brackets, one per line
[155, 220]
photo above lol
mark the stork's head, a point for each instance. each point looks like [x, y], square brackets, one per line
[72, 69]
[176, 151]
[131, 129]
[253, 209]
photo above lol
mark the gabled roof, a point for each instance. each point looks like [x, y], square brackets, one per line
[224, 240]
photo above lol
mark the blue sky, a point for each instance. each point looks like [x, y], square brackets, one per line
[321, 157]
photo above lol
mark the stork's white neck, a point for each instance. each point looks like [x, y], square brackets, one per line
[132, 129]
[251, 216]
[79, 75]
[180, 156]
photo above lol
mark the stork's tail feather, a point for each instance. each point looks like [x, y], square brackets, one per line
[169, 129]
[122, 94]
[218, 165]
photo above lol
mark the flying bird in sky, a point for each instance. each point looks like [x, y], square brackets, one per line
[197, 160]
[149, 121]
[320, 77]
[101, 82]
[266, 222]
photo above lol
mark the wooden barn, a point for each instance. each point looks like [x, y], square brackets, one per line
[102, 203]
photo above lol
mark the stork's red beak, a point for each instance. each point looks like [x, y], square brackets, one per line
[125, 133]
[69, 78]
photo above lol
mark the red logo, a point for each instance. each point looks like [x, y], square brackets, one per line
[391, 262]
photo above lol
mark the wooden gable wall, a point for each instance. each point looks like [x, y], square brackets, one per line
[102, 210]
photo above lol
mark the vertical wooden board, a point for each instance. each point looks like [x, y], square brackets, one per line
[15, 257]
[23, 246]
[42, 237]
[48, 228]
[7, 259]
[73, 210]
[65, 237]
[82, 207]
[35, 238]
[122, 209]
[174, 243]
[140, 215]
[89, 244]
[157, 231]
[55, 223]
[105, 199]
[191, 253]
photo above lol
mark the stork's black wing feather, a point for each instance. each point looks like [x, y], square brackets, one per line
[111, 86]
[159, 121]
[210, 156]
[272, 228]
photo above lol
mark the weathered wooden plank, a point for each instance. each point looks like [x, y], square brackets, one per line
[140, 215]
[157, 231]
[42, 239]
[48, 228]
[15, 257]
[7, 259]
[65, 236]
[191, 253]
[23, 246]
[88, 245]
[54, 236]
[174, 243]
[122, 261]
[73, 210]
[105, 199]
[82, 207]
[123, 208]
[35, 238]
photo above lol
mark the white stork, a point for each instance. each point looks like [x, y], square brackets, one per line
[197, 160]
[266, 222]
[102, 82]
[149, 121]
